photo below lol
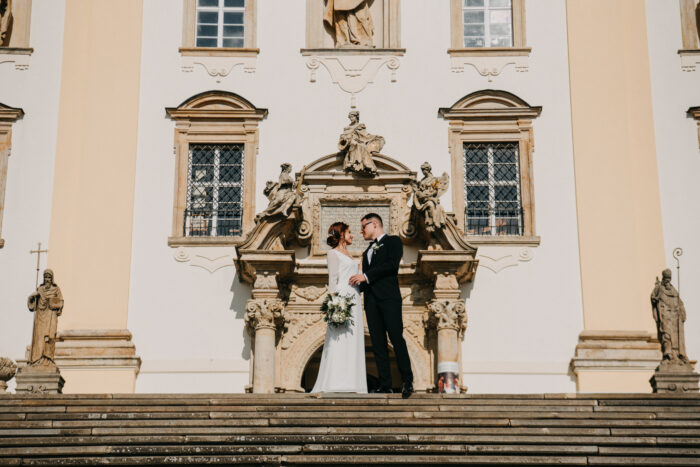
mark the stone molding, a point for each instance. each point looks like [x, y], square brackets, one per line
[690, 59]
[616, 351]
[501, 258]
[695, 113]
[17, 56]
[214, 117]
[8, 116]
[352, 69]
[96, 349]
[493, 116]
[198, 258]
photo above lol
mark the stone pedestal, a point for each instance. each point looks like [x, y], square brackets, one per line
[675, 378]
[39, 380]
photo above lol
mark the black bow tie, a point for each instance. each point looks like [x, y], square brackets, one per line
[372, 242]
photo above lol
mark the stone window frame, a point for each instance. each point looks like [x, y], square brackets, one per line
[19, 38]
[695, 113]
[189, 24]
[493, 116]
[8, 116]
[457, 48]
[690, 34]
[214, 117]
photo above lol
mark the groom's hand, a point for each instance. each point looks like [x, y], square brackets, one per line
[357, 279]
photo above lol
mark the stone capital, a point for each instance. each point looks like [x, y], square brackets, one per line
[447, 314]
[264, 313]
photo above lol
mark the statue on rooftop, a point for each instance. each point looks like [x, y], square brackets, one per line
[358, 146]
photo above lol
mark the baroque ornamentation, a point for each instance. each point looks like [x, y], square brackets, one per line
[447, 314]
[298, 323]
[358, 146]
[281, 195]
[309, 293]
[350, 21]
[264, 313]
[265, 280]
[8, 368]
[490, 67]
[218, 67]
[426, 198]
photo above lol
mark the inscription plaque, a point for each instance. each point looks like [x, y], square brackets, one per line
[351, 215]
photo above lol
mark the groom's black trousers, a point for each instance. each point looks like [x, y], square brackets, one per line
[384, 317]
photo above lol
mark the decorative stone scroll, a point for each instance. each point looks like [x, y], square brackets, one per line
[283, 315]
[8, 368]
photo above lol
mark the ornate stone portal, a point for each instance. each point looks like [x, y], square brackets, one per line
[284, 259]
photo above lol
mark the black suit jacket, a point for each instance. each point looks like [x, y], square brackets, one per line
[383, 273]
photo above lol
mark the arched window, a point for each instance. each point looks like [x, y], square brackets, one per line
[491, 144]
[216, 144]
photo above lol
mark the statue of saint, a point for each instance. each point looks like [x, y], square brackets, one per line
[350, 22]
[358, 146]
[281, 194]
[669, 313]
[5, 22]
[47, 305]
[426, 197]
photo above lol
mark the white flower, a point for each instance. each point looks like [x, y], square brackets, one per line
[336, 317]
[376, 246]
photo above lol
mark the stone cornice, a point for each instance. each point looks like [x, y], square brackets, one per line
[10, 114]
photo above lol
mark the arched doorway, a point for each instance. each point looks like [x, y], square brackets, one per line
[310, 373]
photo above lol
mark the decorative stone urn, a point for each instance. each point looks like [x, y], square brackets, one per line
[284, 260]
[8, 368]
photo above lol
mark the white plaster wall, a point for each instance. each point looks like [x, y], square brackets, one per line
[678, 156]
[30, 172]
[188, 323]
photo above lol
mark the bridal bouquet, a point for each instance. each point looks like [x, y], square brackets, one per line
[337, 309]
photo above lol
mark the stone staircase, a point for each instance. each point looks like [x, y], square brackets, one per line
[289, 429]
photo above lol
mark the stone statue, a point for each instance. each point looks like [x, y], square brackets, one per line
[47, 305]
[350, 22]
[426, 197]
[358, 146]
[281, 194]
[669, 313]
[5, 22]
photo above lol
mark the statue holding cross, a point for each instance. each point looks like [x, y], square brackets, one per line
[47, 305]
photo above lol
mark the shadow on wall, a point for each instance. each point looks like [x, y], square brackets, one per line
[241, 294]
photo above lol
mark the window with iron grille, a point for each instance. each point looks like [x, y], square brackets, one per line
[214, 191]
[488, 23]
[493, 205]
[220, 23]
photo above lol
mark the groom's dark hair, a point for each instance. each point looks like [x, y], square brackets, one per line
[375, 216]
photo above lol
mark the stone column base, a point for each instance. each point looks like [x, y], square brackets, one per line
[97, 360]
[38, 380]
[675, 378]
[615, 361]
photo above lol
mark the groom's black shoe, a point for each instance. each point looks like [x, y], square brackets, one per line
[382, 391]
[407, 390]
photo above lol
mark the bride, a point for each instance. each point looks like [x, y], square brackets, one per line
[343, 361]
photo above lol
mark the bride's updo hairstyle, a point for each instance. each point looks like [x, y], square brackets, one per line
[335, 233]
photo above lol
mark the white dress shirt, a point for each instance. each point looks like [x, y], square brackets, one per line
[370, 252]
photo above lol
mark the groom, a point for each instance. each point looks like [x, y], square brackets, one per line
[380, 284]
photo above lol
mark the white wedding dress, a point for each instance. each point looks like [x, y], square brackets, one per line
[343, 360]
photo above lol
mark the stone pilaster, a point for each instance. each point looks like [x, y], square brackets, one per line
[448, 316]
[264, 318]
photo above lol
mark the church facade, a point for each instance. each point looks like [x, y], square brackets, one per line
[143, 152]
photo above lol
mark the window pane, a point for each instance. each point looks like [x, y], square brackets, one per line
[499, 3]
[477, 172]
[473, 42]
[500, 30]
[499, 17]
[471, 17]
[477, 153]
[478, 193]
[202, 42]
[505, 153]
[506, 41]
[506, 193]
[207, 17]
[208, 3]
[207, 31]
[473, 29]
[468, 3]
[233, 43]
[234, 3]
[233, 31]
[504, 172]
[232, 17]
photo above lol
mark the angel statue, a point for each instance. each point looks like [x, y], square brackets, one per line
[281, 194]
[358, 146]
[426, 197]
